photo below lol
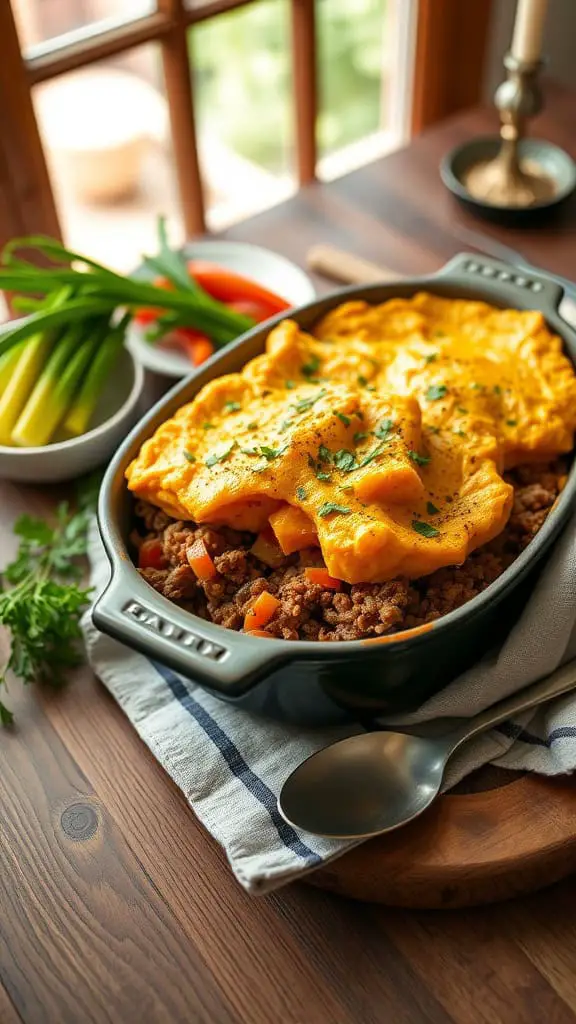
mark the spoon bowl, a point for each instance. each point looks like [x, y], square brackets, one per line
[364, 785]
[376, 781]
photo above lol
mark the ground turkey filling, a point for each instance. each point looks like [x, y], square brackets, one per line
[308, 611]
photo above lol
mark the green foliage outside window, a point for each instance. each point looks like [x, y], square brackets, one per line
[243, 76]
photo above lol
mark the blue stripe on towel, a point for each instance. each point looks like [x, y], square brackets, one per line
[238, 765]
[516, 732]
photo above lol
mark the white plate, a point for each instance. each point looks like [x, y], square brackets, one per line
[268, 268]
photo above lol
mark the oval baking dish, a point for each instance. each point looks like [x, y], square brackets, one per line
[305, 681]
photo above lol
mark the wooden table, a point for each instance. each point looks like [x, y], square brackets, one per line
[137, 919]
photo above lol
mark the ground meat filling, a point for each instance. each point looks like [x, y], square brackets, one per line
[308, 611]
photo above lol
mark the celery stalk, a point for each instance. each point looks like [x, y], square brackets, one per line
[31, 357]
[55, 388]
[7, 366]
[82, 409]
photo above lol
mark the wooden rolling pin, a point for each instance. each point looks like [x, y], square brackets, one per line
[347, 268]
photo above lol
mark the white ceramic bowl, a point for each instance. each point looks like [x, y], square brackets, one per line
[268, 268]
[116, 413]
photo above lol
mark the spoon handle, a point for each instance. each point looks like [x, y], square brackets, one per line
[561, 681]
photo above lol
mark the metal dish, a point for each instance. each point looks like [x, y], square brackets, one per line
[303, 681]
[555, 163]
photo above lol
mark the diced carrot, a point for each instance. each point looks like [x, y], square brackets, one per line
[260, 632]
[200, 561]
[323, 578]
[261, 612]
[151, 555]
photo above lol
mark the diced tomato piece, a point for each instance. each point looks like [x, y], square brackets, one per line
[197, 346]
[227, 286]
[200, 561]
[263, 609]
[323, 578]
[151, 555]
[257, 310]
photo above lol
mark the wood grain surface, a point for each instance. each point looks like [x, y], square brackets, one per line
[115, 905]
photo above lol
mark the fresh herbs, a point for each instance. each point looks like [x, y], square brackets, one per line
[272, 453]
[332, 508]
[306, 403]
[189, 456]
[289, 385]
[301, 493]
[344, 460]
[435, 392]
[232, 406]
[511, 423]
[360, 435]
[310, 369]
[211, 460]
[207, 426]
[424, 529]
[420, 460]
[431, 358]
[342, 417]
[383, 429]
[431, 509]
[41, 599]
[362, 380]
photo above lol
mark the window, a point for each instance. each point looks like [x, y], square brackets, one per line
[206, 110]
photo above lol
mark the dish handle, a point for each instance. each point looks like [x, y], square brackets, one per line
[516, 285]
[222, 660]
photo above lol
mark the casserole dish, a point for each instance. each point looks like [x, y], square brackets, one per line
[302, 681]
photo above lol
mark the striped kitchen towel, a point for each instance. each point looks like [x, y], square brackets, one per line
[230, 765]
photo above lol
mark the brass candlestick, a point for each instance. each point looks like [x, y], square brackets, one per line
[508, 180]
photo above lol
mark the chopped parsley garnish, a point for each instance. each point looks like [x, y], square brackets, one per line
[285, 424]
[360, 435]
[189, 456]
[420, 460]
[478, 387]
[372, 455]
[271, 453]
[300, 493]
[497, 389]
[306, 403]
[311, 367]
[324, 454]
[253, 425]
[330, 508]
[370, 387]
[424, 529]
[347, 487]
[460, 433]
[207, 426]
[289, 385]
[433, 430]
[431, 358]
[362, 380]
[213, 459]
[383, 429]
[511, 423]
[232, 406]
[316, 468]
[344, 460]
[460, 408]
[342, 417]
[358, 413]
[249, 451]
[439, 334]
[431, 509]
[435, 391]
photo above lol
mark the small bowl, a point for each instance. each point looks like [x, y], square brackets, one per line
[265, 267]
[116, 413]
[556, 163]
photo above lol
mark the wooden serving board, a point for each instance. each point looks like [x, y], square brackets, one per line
[507, 834]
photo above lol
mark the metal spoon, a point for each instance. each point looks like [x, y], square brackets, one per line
[375, 782]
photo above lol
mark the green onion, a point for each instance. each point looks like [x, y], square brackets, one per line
[84, 404]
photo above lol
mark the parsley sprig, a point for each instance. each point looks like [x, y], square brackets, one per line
[41, 599]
